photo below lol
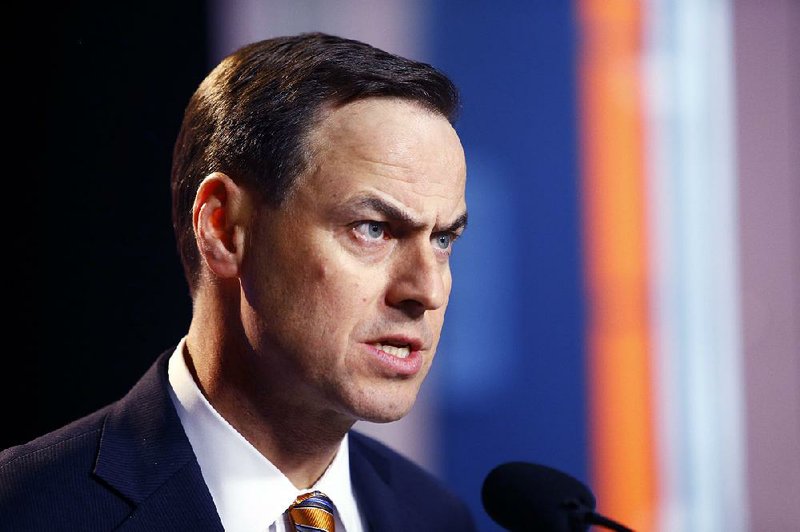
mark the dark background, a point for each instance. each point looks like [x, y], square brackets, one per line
[95, 291]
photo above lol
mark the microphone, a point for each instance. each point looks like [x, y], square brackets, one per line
[525, 497]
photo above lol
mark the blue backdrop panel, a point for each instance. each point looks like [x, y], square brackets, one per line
[511, 365]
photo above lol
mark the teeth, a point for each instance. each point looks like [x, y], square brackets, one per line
[399, 352]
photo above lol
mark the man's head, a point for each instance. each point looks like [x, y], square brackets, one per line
[252, 115]
[323, 197]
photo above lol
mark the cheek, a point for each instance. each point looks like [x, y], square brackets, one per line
[447, 280]
[349, 299]
[327, 306]
[436, 321]
[346, 285]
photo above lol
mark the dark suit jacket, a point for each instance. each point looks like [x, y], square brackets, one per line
[130, 466]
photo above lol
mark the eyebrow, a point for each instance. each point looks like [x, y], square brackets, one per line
[396, 213]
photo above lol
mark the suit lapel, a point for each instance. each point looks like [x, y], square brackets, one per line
[180, 503]
[145, 456]
[384, 508]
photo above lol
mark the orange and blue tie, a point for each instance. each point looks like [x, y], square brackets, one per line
[312, 512]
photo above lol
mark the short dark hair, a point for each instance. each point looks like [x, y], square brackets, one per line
[252, 115]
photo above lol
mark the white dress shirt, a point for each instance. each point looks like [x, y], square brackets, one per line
[250, 493]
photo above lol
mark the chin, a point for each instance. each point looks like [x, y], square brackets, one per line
[383, 408]
[383, 417]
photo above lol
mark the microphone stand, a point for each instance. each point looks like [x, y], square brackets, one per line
[586, 515]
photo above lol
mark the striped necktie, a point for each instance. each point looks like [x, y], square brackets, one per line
[312, 512]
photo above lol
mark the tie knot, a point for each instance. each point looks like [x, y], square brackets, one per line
[312, 512]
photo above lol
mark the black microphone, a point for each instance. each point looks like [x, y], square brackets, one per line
[525, 497]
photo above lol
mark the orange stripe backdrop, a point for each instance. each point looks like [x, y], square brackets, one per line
[621, 431]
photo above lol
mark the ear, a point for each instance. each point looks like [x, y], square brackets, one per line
[220, 215]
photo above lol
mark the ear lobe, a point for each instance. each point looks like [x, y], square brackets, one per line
[220, 212]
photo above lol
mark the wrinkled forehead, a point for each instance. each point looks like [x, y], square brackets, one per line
[395, 146]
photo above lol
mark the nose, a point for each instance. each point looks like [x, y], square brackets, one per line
[419, 281]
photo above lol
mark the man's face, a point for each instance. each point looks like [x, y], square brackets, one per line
[345, 286]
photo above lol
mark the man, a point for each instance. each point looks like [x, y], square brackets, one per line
[318, 187]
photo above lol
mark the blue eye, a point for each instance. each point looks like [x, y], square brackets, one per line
[371, 230]
[442, 240]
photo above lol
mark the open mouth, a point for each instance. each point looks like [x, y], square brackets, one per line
[399, 351]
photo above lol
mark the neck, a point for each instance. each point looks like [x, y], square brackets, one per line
[300, 440]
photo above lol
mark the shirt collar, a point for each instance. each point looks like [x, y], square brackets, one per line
[248, 490]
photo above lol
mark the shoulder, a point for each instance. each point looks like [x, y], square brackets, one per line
[422, 491]
[61, 447]
[53, 476]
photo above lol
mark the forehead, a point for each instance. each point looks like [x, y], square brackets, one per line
[393, 147]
